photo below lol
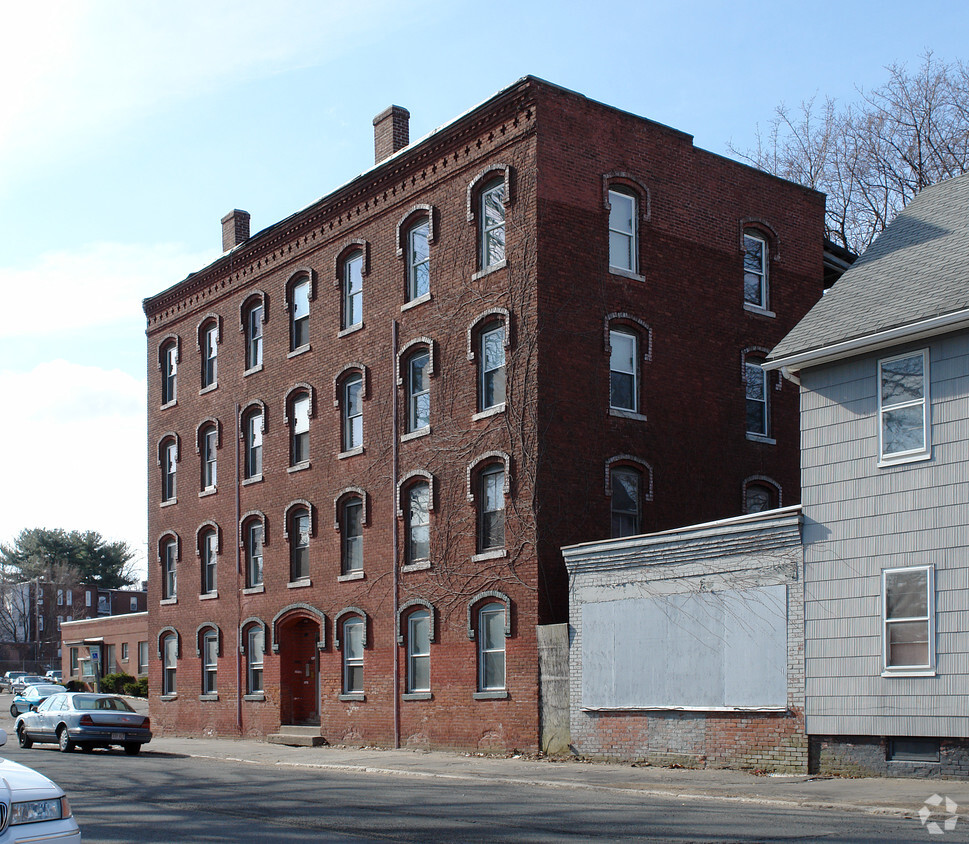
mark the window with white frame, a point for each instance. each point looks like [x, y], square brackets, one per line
[253, 539]
[299, 324]
[255, 651]
[418, 261]
[351, 530]
[908, 599]
[253, 318]
[353, 655]
[417, 521]
[419, 651]
[623, 370]
[622, 231]
[299, 544]
[210, 662]
[209, 446]
[353, 412]
[299, 451]
[626, 485]
[169, 368]
[124, 651]
[169, 555]
[142, 659]
[169, 460]
[132, 604]
[491, 390]
[491, 508]
[493, 224]
[209, 547]
[418, 391]
[353, 290]
[755, 378]
[169, 663]
[491, 647]
[210, 355]
[903, 388]
[755, 269]
[252, 431]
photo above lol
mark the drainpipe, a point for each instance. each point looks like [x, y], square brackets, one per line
[396, 550]
[237, 434]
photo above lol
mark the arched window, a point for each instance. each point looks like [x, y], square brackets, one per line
[299, 544]
[168, 363]
[352, 284]
[351, 397]
[299, 422]
[253, 317]
[254, 638]
[418, 260]
[299, 313]
[491, 507]
[210, 661]
[756, 253]
[491, 366]
[168, 556]
[253, 535]
[760, 494]
[417, 523]
[418, 390]
[623, 370]
[169, 650]
[208, 545]
[253, 425]
[755, 385]
[490, 633]
[351, 534]
[492, 223]
[419, 652]
[353, 639]
[209, 349]
[626, 498]
[623, 234]
[168, 460]
[208, 443]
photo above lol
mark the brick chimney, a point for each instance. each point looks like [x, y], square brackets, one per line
[235, 229]
[391, 132]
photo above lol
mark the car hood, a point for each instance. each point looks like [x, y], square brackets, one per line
[25, 783]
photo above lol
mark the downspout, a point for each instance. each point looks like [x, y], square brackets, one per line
[394, 470]
[237, 433]
[791, 376]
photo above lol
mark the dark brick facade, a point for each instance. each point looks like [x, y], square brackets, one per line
[557, 154]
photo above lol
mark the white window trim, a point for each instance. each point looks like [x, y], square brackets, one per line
[912, 455]
[928, 670]
[763, 306]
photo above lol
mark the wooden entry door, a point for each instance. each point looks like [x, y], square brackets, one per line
[299, 672]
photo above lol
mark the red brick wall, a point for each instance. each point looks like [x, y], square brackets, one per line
[116, 630]
[555, 428]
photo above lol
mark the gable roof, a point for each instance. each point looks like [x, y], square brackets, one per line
[911, 282]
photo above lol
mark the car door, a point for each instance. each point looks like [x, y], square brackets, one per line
[39, 724]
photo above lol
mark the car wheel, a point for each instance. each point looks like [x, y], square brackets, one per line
[132, 748]
[25, 741]
[14, 711]
[64, 740]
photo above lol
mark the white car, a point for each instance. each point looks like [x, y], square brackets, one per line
[32, 808]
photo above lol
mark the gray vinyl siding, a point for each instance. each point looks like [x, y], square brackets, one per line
[859, 519]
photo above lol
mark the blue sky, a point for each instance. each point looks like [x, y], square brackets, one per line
[128, 129]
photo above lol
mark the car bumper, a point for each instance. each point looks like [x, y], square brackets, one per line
[105, 735]
[60, 832]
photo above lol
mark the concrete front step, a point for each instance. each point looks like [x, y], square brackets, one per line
[296, 736]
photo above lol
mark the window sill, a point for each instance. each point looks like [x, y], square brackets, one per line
[353, 329]
[302, 350]
[420, 565]
[208, 596]
[909, 672]
[760, 438]
[416, 435]
[417, 696]
[172, 403]
[626, 274]
[299, 584]
[493, 695]
[255, 479]
[299, 467]
[254, 696]
[491, 411]
[209, 697]
[254, 590]
[171, 502]
[168, 602]
[353, 575]
[353, 452]
[353, 696]
[209, 389]
[252, 370]
[168, 697]
[619, 413]
[885, 462]
[413, 303]
[757, 309]
[488, 270]
[494, 554]
[212, 490]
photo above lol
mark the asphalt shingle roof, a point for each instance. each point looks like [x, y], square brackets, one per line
[916, 269]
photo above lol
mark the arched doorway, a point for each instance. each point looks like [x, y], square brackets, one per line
[299, 669]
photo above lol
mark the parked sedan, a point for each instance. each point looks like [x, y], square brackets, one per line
[33, 697]
[6, 682]
[21, 683]
[32, 807]
[79, 719]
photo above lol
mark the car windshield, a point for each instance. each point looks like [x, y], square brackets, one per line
[28, 680]
[43, 691]
[88, 702]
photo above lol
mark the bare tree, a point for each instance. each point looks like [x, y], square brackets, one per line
[872, 158]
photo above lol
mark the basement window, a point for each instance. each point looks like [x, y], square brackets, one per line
[913, 750]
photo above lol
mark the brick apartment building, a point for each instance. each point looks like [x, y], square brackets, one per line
[373, 425]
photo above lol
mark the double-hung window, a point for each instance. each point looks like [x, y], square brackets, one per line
[418, 261]
[622, 231]
[418, 523]
[210, 355]
[169, 573]
[253, 543]
[491, 647]
[169, 663]
[419, 652]
[209, 444]
[418, 391]
[492, 366]
[255, 648]
[210, 559]
[493, 224]
[299, 548]
[623, 355]
[908, 598]
[253, 440]
[353, 655]
[491, 509]
[299, 329]
[353, 412]
[755, 269]
[903, 388]
[169, 460]
[351, 523]
[755, 377]
[253, 323]
[210, 662]
[300, 427]
[169, 365]
[626, 497]
[353, 290]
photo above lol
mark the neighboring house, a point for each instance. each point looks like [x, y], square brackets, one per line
[883, 364]
[686, 646]
[374, 424]
[95, 647]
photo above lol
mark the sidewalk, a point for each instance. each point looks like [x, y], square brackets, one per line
[901, 797]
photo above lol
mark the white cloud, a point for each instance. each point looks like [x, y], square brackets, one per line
[99, 285]
[75, 455]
